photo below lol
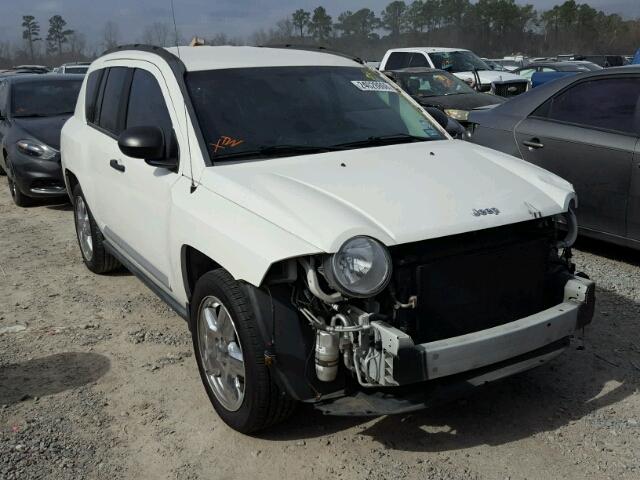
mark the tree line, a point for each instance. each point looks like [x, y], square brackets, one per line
[491, 28]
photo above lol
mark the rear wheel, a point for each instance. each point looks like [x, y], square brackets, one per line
[230, 356]
[90, 239]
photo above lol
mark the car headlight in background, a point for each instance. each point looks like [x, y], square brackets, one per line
[460, 115]
[361, 268]
[37, 149]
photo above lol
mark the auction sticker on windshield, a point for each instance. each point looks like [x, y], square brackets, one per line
[371, 86]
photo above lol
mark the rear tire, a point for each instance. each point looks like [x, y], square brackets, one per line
[263, 403]
[90, 239]
[19, 198]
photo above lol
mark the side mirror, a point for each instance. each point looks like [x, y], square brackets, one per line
[147, 143]
[390, 76]
[452, 126]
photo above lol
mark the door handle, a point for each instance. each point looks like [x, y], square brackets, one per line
[534, 143]
[118, 166]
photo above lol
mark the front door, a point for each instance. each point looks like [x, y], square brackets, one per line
[586, 134]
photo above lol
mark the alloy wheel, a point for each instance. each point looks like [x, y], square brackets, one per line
[221, 353]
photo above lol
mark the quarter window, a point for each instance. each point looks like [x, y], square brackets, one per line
[592, 104]
[112, 100]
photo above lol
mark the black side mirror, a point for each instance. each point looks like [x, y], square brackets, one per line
[452, 126]
[147, 143]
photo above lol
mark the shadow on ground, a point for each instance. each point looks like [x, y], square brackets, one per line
[609, 250]
[566, 390]
[50, 375]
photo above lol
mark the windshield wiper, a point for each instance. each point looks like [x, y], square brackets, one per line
[276, 150]
[383, 140]
[30, 115]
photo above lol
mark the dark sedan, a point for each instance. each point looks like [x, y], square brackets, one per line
[33, 109]
[439, 89]
[585, 128]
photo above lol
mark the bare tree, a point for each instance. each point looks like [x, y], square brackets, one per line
[110, 35]
[158, 33]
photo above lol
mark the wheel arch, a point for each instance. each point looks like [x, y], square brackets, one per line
[71, 181]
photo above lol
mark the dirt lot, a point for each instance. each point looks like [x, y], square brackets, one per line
[102, 384]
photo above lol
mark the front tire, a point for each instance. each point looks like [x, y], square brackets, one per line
[19, 198]
[90, 239]
[230, 356]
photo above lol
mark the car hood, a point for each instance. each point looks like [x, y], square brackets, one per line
[464, 101]
[489, 76]
[45, 129]
[396, 193]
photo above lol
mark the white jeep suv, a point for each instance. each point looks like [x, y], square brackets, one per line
[324, 237]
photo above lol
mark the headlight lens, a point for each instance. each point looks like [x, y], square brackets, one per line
[361, 268]
[37, 149]
[457, 114]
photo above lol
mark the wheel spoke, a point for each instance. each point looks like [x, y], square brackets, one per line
[221, 353]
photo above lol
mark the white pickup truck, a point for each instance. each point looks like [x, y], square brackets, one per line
[326, 240]
[464, 64]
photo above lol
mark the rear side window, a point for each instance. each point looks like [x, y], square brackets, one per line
[112, 100]
[398, 60]
[608, 104]
[91, 94]
[418, 60]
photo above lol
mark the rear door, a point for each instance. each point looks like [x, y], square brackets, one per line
[586, 134]
[105, 118]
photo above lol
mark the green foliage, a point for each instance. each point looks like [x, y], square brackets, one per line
[57, 34]
[321, 25]
[301, 20]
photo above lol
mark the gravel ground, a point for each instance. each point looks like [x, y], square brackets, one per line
[97, 380]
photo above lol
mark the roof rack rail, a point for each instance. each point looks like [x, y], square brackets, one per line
[313, 48]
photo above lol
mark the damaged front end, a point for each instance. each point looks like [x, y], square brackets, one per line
[392, 330]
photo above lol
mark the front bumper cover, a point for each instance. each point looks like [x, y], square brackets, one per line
[470, 360]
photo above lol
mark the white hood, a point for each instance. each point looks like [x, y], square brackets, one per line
[489, 76]
[397, 193]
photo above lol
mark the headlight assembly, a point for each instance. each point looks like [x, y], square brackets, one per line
[360, 268]
[33, 148]
[460, 115]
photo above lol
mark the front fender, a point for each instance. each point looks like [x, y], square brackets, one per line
[240, 241]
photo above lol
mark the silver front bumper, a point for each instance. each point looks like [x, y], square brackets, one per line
[406, 363]
[494, 345]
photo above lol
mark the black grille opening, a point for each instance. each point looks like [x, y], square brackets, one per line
[471, 282]
[510, 89]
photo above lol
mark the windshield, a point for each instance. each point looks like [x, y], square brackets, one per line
[282, 109]
[44, 98]
[430, 84]
[460, 61]
[79, 70]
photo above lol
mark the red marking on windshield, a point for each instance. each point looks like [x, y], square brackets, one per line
[225, 142]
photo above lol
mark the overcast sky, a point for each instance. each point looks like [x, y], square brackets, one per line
[204, 17]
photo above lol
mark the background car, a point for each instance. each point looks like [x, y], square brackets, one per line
[587, 130]
[431, 87]
[75, 68]
[33, 109]
[605, 61]
[568, 66]
[464, 64]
